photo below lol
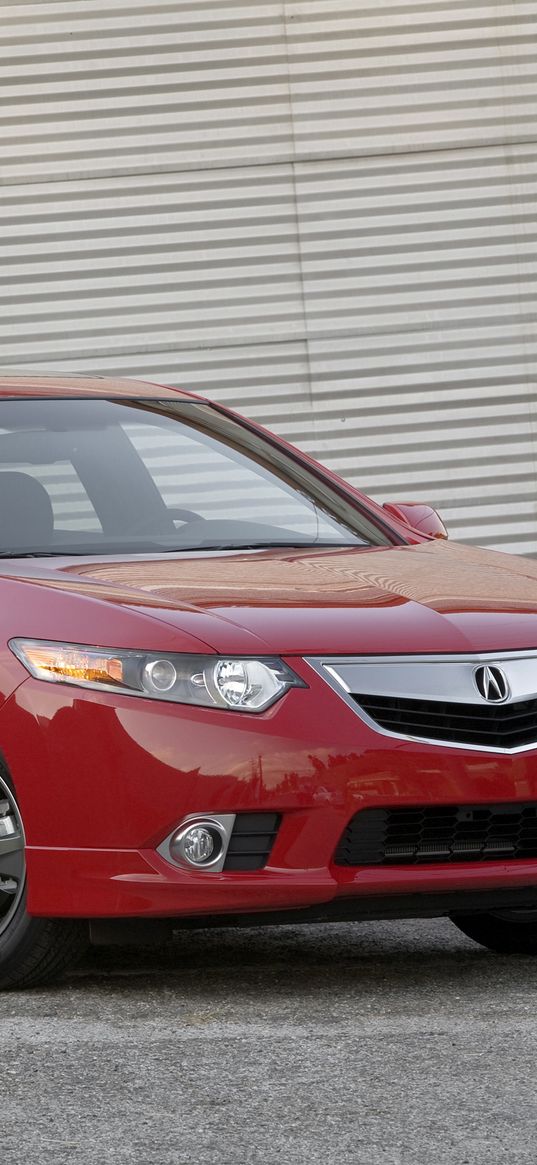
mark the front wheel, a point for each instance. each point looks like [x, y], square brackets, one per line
[508, 932]
[33, 951]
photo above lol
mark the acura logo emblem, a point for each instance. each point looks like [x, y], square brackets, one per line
[491, 684]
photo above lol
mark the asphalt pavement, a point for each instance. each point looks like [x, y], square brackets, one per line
[394, 1043]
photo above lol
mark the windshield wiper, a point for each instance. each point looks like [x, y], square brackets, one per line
[157, 550]
[50, 553]
[263, 546]
[31, 553]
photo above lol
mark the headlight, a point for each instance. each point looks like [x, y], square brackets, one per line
[246, 685]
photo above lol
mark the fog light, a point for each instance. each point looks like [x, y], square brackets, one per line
[201, 843]
[198, 845]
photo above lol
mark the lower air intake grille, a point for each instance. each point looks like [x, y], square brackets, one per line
[489, 725]
[251, 841]
[439, 833]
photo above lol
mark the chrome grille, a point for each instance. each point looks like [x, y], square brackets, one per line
[503, 726]
[481, 701]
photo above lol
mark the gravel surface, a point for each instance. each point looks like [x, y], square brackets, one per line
[393, 1043]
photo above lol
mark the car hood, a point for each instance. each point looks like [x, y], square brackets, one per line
[433, 597]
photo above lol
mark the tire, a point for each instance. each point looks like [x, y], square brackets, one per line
[33, 951]
[508, 932]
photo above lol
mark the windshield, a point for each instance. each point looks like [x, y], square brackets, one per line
[82, 476]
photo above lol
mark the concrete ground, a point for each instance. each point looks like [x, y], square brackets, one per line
[393, 1043]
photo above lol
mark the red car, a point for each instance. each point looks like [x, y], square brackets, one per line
[235, 690]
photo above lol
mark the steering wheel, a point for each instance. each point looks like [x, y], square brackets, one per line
[177, 512]
[147, 526]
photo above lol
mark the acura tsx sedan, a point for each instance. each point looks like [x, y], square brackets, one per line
[234, 690]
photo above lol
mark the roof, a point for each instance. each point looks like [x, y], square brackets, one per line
[109, 386]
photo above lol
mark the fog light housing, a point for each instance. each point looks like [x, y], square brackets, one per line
[200, 844]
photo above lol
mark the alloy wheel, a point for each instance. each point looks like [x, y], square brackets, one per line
[12, 863]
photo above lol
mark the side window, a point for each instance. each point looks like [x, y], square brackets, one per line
[71, 505]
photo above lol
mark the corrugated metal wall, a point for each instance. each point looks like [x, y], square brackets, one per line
[321, 212]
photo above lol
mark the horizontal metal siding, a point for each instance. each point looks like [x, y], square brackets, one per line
[322, 213]
[420, 278]
[204, 84]
[383, 77]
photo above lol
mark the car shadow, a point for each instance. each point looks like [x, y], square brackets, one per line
[304, 959]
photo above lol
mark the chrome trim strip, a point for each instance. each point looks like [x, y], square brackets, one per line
[444, 677]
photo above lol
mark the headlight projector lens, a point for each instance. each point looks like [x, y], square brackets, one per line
[160, 675]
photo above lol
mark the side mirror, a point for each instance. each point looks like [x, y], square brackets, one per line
[419, 516]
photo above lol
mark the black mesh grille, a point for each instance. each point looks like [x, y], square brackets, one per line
[492, 725]
[439, 833]
[251, 841]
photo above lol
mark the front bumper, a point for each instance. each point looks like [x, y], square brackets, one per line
[103, 779]
[129, 883]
